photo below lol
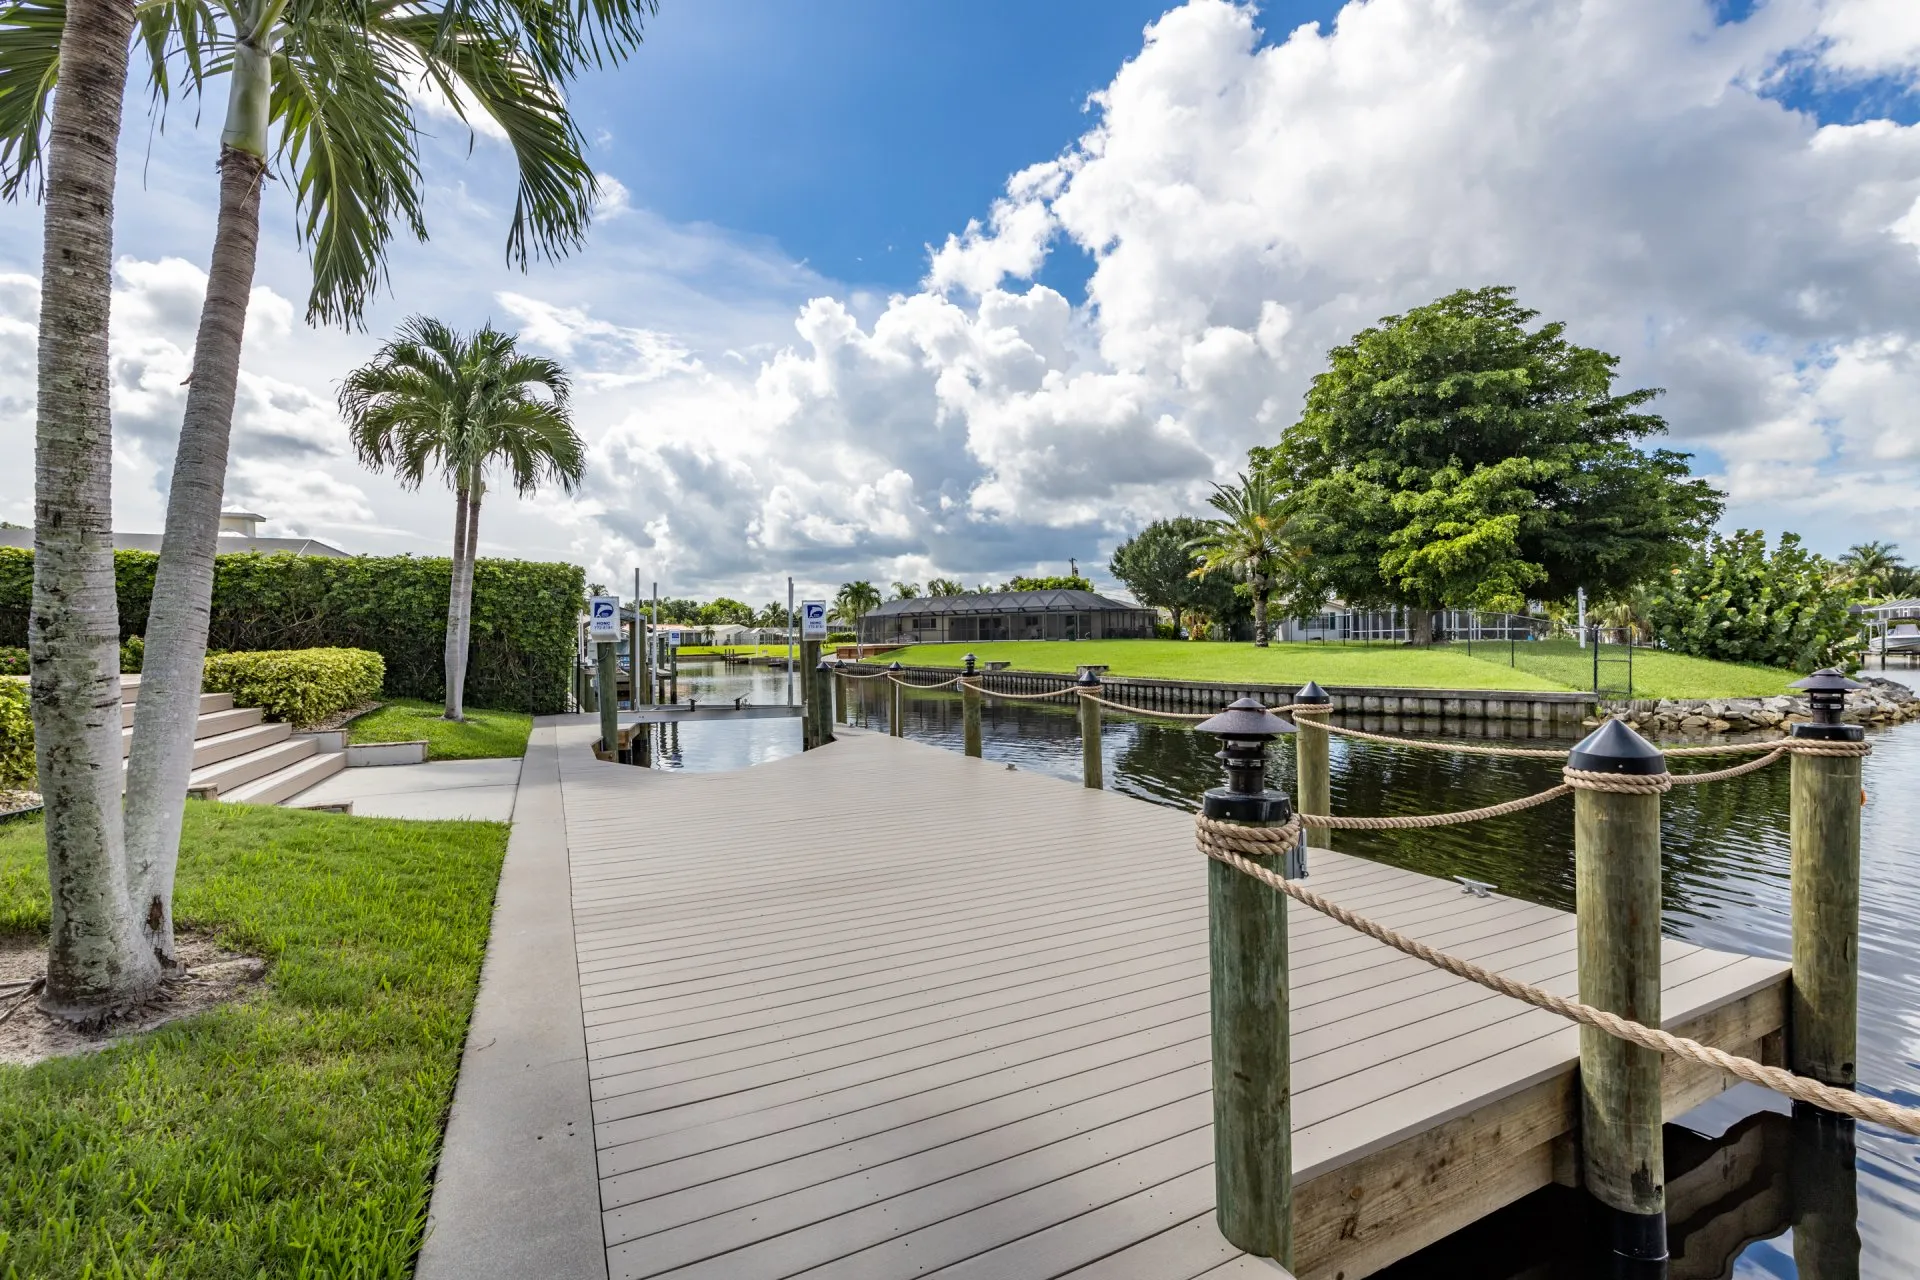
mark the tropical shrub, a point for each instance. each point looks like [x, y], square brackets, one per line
[13, 662]
[521, 640]
[16, 735]
[302, 686]
[133, 653]
[1733, 600]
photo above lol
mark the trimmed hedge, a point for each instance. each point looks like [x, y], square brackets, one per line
[16, 735]
[524, 615]
[301, 686]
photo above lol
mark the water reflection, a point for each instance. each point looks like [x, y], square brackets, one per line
[1727, 881]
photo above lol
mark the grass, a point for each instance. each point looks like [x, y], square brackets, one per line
[482, 735]
[1276, 664]
[1543, 665]
[294, 1133]
[717, 650]
[1656, 673]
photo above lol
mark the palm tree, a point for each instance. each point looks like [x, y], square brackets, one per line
[324, 84]
[855, 601]
[435, 401]
[1247, 541]
[946, 587]
[1873, 567]
[97, 953]
[905, 591]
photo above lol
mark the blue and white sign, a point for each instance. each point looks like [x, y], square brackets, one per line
[603, 619]
[813, 619]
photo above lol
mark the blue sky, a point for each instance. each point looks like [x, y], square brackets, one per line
[855, 132]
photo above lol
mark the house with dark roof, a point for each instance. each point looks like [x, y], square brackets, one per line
[1007, 615]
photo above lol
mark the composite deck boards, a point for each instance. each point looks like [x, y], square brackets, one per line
[883, 1011]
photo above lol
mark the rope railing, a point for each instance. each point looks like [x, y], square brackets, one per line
[1234, 845]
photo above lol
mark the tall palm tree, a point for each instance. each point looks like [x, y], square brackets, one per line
[323, 86]
[433, 401]
[1248, 541]
[945, 587]
[855, 601]
[905, 591]
[97, 954]
[1872, 567]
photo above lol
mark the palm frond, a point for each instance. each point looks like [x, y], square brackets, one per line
[348, 138]
[29, 68]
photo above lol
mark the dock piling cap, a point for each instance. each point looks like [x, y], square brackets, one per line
[1087, 680]
[1312, 693]
[1247, 718]
[895, 665]
[1615, 748]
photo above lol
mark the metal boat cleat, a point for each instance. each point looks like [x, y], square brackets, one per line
[1478, 888]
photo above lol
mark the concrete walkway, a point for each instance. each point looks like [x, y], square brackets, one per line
[479, 789]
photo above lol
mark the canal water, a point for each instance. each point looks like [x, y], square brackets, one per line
[1727, 886]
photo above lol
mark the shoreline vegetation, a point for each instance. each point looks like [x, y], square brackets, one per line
[1543, 666]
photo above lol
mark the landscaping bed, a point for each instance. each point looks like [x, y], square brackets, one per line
[292, 1133]
[483, 735]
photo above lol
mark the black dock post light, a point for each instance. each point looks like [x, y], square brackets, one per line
[1244, 729]
[1827, 693]
[969, 660]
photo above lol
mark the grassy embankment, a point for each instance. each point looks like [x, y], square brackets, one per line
[1542, 665]
[290, 1134]
[482, 735]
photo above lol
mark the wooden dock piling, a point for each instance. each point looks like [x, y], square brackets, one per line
[816, 698]
[1312, 753]
[1092, 768]
[1616, 854]
[896, 724]
[970, 710]
[1824, 821]
[606, 681]
[1251, 1021]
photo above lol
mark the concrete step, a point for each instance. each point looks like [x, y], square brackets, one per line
[226, 746]
[278, 788]
[209, 703]
[237, 771]
[212, 724]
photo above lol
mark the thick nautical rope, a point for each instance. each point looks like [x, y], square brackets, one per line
[1283, 709]
[1025, 697]
[1234, 845]
[1465, 748]
[908, 684]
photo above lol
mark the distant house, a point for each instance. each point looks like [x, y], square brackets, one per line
[239, 532]
[1006, 615]
[1339, 622]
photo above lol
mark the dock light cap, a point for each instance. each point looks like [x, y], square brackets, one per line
[895, 665]
[1615, 748]
[1247, 718]
[1086, 679]
[1313, 693]
[824, 665]
[969, 660]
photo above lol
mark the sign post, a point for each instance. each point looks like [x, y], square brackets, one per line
[603, 628]
[816, 718]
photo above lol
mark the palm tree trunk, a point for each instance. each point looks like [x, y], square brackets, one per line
[461, 500]
[163, 733]
[96, 959]
[466, 600]
[1260, 589]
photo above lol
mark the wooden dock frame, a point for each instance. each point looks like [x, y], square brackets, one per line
[971, 1030]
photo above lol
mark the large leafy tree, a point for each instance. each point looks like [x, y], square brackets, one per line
[1158, 565]
[1455, 456]
[323, 86]
[1732, 599]
[433, 401]
[1251, 543]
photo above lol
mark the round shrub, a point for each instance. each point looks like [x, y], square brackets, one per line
[301, 686]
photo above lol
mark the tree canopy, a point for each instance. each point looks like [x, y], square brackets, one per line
[1453, 456]
[1059, 582]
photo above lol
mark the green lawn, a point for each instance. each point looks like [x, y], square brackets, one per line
[294, 1133]
[1543, 664]
[716, 650]
[482, 735]
[1276, 664]
[1656, 674]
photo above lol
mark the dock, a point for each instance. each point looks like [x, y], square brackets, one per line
[881, 1010]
